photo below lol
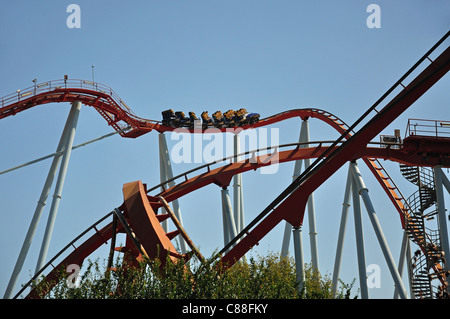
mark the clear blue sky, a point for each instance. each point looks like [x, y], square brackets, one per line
[266, 56]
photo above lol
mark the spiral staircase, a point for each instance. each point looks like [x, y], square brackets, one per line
[426, 263]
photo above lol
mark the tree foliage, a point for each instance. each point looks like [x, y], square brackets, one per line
[267, 277]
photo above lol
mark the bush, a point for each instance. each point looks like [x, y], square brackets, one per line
[268, 277]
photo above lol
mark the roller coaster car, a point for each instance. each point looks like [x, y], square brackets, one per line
[218, 119]
[252, 118]
[206, 120]
[229, 118]
[180, 119]
[240, 116]
[192, 119]
[168, 117]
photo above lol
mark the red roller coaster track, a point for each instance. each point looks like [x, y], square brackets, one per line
[140, 209]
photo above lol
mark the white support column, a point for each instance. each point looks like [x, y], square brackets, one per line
[359, 241]
[162, 174]
[288, 227]
[168, 174]
[341, 236]
[238, 196]
[311, 210]
[379, 232]
[303, 138]
[39, 208]
[298, 251]
[229, 225]
[408, 259]
[445, 181]
[442, 216]
[402, 258]
[76, 106]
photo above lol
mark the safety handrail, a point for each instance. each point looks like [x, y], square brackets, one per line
[432, 128]
[50, 86]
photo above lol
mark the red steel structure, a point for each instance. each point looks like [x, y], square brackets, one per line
[138, 215]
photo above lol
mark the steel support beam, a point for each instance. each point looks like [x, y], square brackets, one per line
[40, 207]
[341, 236]
[445, 182]
[442, 218]
[299, 262]
[402, 258]
[288, 227]
[408, 259]
[238, 194]
[76, 107]
[304, 138]
[359, 234]
[229, 225]
[311, 209]
[363, 191]
[165, 174]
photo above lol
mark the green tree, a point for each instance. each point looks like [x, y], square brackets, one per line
[260, 277]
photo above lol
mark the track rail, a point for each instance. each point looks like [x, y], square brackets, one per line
[114, 110]
[290, 204]
[219, 175]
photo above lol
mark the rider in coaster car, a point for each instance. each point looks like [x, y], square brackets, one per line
[192, 119]
[240, 116]
[206, 120]
[168, 117]
[180, 119]
[218, 119]
[229, 118]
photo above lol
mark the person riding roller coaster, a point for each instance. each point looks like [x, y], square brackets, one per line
[230, 118]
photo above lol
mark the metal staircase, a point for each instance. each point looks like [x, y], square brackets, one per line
[426, 263]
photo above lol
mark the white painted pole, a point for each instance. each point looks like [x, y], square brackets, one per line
[401, 261]
[298, 252]
[238, 190]
[379, 232]
[162, 175]
[39, 208]
[311, 210]
[226, 232]
[168, 174]
[359, 241]
[442, 218]
[227, 213]
[341, 236]
[408, 259]
[297, 171]
[445, 181]
[59, 187]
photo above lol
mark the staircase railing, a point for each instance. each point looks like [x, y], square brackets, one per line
[425, 265]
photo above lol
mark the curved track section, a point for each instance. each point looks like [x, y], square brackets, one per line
[143, 223]
[140, 209]
[144, 218]
[119, 116]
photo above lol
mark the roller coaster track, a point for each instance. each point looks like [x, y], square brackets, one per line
[140, 209]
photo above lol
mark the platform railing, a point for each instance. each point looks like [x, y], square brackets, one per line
[49, 86]
[433, 128]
